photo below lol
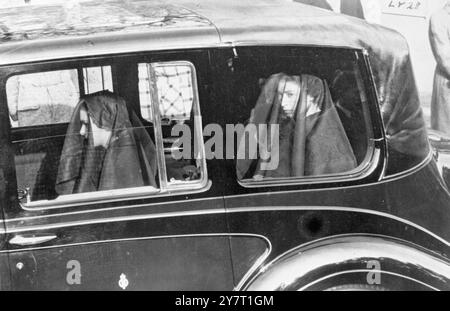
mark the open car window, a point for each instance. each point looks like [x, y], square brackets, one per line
[173, 86]
[86, 143]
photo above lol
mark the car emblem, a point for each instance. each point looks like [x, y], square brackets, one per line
[123, 282]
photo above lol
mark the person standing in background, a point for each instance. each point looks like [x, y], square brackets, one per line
[440, 43]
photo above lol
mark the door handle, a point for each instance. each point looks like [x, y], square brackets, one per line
[31, 239]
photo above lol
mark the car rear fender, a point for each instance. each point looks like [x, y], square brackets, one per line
[302, 268]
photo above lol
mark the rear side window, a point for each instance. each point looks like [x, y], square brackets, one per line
[305, 115]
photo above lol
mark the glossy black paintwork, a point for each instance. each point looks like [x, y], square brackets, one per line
[5, 282]
[189, 263]
[419, 197]
[173, 237]
[284, 228]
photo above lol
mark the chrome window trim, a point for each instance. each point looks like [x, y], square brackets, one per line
[117, 195]
[162, 171]
[369, 165]
[198, 128]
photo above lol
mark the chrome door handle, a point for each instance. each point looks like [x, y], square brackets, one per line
[31, 239]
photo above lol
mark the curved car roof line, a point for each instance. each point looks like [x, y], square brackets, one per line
[40, 33]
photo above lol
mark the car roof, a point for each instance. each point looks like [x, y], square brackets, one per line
[97, 27]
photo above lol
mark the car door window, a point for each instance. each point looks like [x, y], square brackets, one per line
[42, 98]
[105, 149]
[305, 121]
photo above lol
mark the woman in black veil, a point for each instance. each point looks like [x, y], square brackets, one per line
[312, 140]
[104, 150]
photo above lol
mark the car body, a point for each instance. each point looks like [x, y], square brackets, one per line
[390, 215]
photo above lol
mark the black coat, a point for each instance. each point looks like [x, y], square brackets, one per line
[128, 161]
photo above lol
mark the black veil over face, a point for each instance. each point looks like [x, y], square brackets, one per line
[311, 143]
[128, 161]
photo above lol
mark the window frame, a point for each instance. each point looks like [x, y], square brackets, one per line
[376, 141]
[165, 185]
[115, 195]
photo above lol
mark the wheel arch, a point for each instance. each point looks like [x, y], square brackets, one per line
[303, 267]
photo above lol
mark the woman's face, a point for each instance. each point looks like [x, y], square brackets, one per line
[100, 137]
[290, 97]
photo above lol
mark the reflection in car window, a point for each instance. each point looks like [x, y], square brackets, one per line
[100, 146]
[312, 139]
[175, 91]
[50, 97]
[97, 79]
[42, 98]
[302, 125]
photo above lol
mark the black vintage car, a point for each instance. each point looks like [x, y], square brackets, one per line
[97, 98]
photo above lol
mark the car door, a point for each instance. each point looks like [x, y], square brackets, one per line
[278, 208]
[169, 237]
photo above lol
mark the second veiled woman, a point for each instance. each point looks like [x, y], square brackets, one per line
[312, 140]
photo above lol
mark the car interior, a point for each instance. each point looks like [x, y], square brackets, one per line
[38, 147]
[338, 68]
